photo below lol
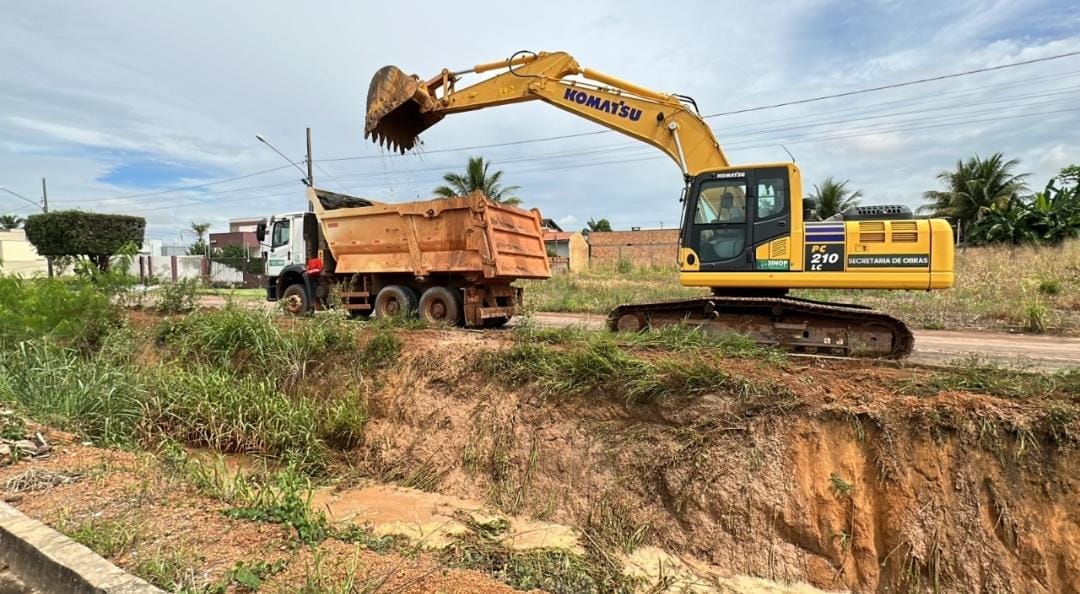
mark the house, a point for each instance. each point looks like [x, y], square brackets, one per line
[241, 233]
[568, 251]
[18, 256]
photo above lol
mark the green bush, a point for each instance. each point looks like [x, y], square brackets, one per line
[77, 233]
[73, 313]
[178, 297]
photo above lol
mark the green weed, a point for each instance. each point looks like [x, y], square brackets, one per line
[290, 504]
[366, 538]
[71, 313]
[840, 486]
[175, 571]
[251, 574]
[552, 570]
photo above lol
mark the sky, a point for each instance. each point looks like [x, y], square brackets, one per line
[141, 108]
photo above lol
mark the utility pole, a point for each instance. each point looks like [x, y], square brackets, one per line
[310, 166]
[45, 209]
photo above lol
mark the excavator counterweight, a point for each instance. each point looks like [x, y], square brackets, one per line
[398, 109]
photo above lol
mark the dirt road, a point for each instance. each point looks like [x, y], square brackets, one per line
[932, 347]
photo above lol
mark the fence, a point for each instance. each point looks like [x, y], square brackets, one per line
[217, 272]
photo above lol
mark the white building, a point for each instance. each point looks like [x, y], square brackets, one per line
[18, 256]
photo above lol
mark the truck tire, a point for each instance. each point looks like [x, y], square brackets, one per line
[440, 305]
[395, 300]
[294, 300]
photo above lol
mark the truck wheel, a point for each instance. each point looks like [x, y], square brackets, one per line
[295, 300]
[395, 300]
[440, 305]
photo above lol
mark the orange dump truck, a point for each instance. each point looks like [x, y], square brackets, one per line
[447, 260]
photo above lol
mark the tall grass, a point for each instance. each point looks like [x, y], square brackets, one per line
[598, 364]
[997, 287]
[59, 387]
[229, 412]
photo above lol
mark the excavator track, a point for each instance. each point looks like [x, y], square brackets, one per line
[788, 323]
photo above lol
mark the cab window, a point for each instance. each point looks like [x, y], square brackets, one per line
[721, 202]
[720, 220]
[771, 197]
[281, 234]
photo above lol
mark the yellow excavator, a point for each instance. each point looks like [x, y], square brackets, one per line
[746, 231]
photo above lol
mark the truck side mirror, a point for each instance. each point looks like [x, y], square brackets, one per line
[809, 205]
[260, 232]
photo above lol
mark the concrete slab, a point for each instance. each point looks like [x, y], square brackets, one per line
[46, 561]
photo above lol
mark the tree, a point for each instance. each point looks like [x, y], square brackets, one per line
[476, 177]
[973, 189]
[199, 248]
[73, 233]
[200, 230]
[594, 225]
[1050, 216]
[9, 222]
[833, 197]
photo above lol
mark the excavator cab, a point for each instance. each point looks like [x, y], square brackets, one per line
[732, 213]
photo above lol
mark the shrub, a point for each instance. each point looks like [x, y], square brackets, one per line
[77, 233]
[178, 297]
[77, 314]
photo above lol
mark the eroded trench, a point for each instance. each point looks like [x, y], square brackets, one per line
[841, 482]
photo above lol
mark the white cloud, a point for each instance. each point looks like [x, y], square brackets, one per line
[193, 83]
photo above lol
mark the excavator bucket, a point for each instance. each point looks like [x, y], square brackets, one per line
[398, 109]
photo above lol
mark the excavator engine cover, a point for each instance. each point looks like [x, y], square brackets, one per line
[398, 109]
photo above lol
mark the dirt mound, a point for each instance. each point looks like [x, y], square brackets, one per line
[845, 476]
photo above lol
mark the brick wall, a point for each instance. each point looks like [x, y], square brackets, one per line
[643, 248]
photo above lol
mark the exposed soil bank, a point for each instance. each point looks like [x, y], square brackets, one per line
[816, 472]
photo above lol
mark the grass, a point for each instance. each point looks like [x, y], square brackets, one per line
[73, 313]
[973, 374]
[598, 291]
[599, 363]
[552, 570]
[107, 538]
[1035, 289]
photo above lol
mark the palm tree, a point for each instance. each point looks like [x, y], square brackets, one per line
[974, 188]
[200, 229]
[594, 225]
[477, 178]
[9, 222]
[833, 197]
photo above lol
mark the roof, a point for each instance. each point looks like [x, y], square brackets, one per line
[550, 224]
[558, 235]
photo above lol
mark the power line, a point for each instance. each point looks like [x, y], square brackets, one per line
[191, 187]
[894, 85]
[739, 111]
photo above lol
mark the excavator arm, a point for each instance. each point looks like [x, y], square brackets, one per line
[400, 107]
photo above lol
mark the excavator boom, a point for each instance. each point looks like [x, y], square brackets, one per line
[400, 107]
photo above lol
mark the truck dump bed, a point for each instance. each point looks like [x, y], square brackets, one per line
[468, 235]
